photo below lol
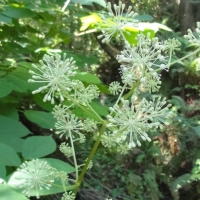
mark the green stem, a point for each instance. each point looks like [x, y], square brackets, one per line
[91, 111]
[94, 148]
[74, 155]
[185, 57]
[92, 152]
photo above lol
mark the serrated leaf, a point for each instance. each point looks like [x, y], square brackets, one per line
[7, 193]
[38, 146]
[12, 127]
[43, 119]
[8, 156]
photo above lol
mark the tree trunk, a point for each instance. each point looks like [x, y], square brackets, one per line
[188, 15]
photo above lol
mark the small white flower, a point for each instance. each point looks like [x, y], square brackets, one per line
[66, 149]
[68, 196]
[55, 74]
[86, 95]
[69, 124]
[115, 88]
[130, 123]
[195, 39]
[59, 111]
[116, 22]
[137, 61]
[172, 45]
[36, 175]
[90, 125]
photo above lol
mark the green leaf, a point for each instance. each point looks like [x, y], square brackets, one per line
[89, 2]
[38, 99]
[17, 13]
[13, 141]
[55, 188]
[19, 79]
[8, 156]
[88, 78]
[197, 130]
[5, 88]
[2, 172]
[144, 17]
[7, 193]
[88, 20]
[100, 109]
[8, 110]
[38, 146]
[43, 119]
[140, 158]
[59, 165]
[5, 19]
[181, 181]
[12, 127]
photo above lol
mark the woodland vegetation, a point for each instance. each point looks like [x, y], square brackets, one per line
[166, 168]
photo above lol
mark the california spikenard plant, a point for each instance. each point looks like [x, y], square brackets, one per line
[128, 122]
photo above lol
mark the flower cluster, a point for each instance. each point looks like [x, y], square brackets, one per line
[66, 149]
[130, 123]
[68, 125]
[85, 95]
[35, 175]
[55, 74]
[116, 22]
[195, 39]
[144, 58]
[115, 88]
[68, 196]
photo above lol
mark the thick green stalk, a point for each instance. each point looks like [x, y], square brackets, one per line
[92, 152]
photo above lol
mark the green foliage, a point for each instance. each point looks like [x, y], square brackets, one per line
[162, 168]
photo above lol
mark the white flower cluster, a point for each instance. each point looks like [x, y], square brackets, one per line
[116, 22]
[35, 176]
[143, 62]
[195, 39]
[130, 123]
[55, 73]
[68, 196]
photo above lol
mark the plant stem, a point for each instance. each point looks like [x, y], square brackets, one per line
[74, 155]
[92, 152]
[190, 54]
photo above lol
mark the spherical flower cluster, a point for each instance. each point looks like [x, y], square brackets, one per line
[195, 39]
[115, 88]
[69, 124]
[130, 123]
[55, 74]
[172, 45]
[66, 149]
[35, 175]
[137, 61]
[85, 95]
[116, 22]
[68, 196]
